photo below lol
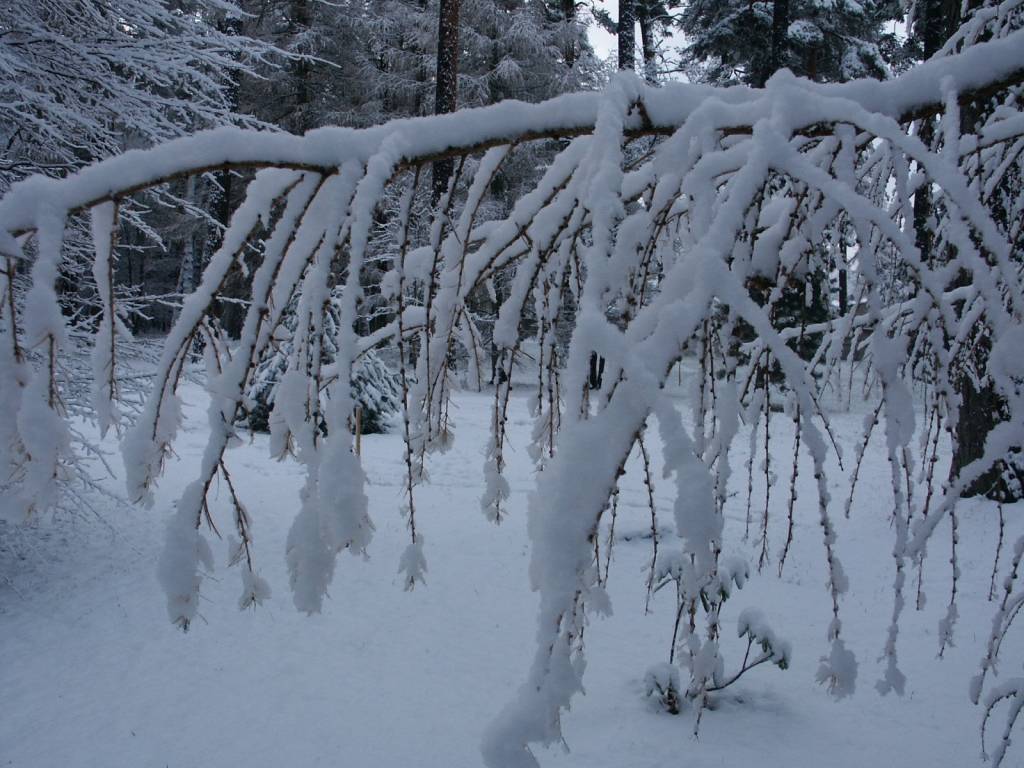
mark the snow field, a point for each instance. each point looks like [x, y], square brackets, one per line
[94, 676]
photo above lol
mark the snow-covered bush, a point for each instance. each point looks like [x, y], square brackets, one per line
[701, 655]
[377, 393]
[661, 681]
[376, 390]
[742, 184]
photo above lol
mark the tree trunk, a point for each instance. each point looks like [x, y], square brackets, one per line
[844, 291]
[447, 82]
[779, 42]
[981, 407]
[981, 410]
[568, 17]
[647, 42]
[300, 122]
[189, 262]
[933, 30]
[596, 375]
[626, 31]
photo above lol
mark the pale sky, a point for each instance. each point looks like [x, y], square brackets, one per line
[605, 43]
[602, 40]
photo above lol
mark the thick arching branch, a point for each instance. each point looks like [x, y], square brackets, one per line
[979, 71]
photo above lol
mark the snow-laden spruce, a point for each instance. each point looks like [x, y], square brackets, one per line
[654, 255]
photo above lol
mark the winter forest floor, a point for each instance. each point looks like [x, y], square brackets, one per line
[92, 673]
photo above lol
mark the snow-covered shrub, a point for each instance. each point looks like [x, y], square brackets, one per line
[696, 643]
[661, 681]
[670, 243]
[376, 390]
[377, 393]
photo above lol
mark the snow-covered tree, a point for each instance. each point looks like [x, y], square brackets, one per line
[825, 40]
[83, 81]
[80, 82]
[935, 26]
[376, 391]
[744, 181]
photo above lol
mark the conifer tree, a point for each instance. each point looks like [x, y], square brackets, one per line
[824, 41]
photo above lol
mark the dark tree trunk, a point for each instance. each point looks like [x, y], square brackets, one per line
[981, 407]
[933, 29]
[981, 410]
[923, 205]
[844, 291]
[938, 20]
[223, 207]
[626, 31]
[647, 42]
[235, 284]
[568, 8]
[779, 42]
[447, 82]
[300, 120]
[596, 371]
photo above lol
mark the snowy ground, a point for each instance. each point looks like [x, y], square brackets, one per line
[92, 673]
